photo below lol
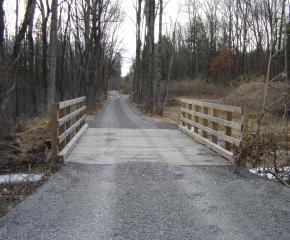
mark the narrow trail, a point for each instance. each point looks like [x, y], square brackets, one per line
[132, 179]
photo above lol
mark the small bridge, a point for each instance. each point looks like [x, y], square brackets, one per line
[219, 127]
[128, 178]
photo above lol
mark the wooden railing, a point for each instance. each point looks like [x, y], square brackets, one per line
[217, 126]
[68, 125]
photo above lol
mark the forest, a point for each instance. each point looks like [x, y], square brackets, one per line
[56, 50]
[223, 42]
[63, 49]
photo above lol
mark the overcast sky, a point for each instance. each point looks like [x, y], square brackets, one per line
[127, 29]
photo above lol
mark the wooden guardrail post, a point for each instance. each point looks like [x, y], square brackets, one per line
[196, 119]
[229, 117]
[54, 130]
[189, 126]
[205, 122]
[215, 126]
[182, 116]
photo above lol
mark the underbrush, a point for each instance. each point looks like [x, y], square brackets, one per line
[197, 88]
[265, 152]
[251, 95]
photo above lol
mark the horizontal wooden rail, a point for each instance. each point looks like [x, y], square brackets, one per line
[68, 125]
[219, 127]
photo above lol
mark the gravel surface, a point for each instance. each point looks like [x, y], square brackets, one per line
[116, 113]
[149, 200]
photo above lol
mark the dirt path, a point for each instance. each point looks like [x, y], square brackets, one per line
[133, 179]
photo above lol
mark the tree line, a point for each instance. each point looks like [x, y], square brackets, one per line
[223, 42]
[60, 50]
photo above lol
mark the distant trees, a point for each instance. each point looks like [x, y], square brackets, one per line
[246, 28]
[60, 50]
[148, 64]
[230, 39]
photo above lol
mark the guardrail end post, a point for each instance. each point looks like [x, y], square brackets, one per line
[54, 131]
[245, 124]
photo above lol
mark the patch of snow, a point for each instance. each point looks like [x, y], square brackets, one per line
[20, 178]
[264, 172]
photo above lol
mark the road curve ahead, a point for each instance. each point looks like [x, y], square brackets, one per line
[131, 179]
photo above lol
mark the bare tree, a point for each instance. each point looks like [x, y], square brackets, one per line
[31, 55]
[137, 73]
[45, 13]
[21, 34]
[51, 91]
[150, 54]
[2, 29]
[158, 73]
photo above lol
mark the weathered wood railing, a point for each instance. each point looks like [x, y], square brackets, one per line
[217, 126]
[68, 125]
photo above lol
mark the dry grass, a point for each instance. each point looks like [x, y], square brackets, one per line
[251, 95]
[34, 137]
[197, 89]
[29, 143]
[170, 115]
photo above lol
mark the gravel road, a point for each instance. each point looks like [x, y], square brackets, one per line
[177, 195]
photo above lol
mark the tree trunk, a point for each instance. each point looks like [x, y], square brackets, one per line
[31, 55]
[137, 71]
[158, 103]
[44, 58]
[51, 91]
[2, 29]
[150, 55]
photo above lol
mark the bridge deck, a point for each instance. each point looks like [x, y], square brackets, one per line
[113, 146]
